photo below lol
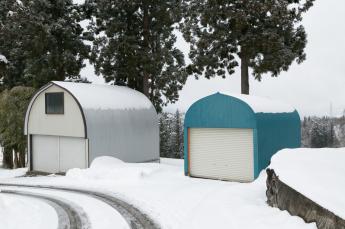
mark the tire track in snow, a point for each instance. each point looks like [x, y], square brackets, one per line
[134, 217]
[70, 216]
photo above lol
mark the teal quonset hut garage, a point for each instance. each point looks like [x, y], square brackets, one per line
[233, 137]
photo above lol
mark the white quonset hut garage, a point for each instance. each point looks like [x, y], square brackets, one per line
[69, 124]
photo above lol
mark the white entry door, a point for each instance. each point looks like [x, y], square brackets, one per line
[58, 154]
[221, 153]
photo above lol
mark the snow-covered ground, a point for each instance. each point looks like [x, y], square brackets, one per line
[6, 173]
[177, 201]
[17, 212]
[100, 214]
[316, 173]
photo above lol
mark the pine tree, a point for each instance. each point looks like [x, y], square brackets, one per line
[42, 41]
[164, 134]
[178, 138]
[171, 134]
[320, 133]
[265, 35]
[134, 44]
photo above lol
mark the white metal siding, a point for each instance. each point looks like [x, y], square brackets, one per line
[221, 153]
[68, 124]
[58, 154]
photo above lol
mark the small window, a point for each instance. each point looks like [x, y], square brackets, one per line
[54, 103]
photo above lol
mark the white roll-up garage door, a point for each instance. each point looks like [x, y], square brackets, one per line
[221, 153]
[58, 154]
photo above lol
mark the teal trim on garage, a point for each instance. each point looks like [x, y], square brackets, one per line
[256, 154]
[272, 131]
[185, 150]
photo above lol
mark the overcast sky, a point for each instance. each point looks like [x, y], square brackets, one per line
[310, 87]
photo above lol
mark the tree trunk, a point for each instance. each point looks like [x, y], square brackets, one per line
[146, 46]
[7, 158]
[22, 160]
[244, 76]
[16, 160]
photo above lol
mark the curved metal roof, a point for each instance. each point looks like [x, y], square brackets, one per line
[100, 96]
[262, 104]
[91, 97]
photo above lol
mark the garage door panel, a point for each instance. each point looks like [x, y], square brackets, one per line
[45, 157]
[221, 153]
[72, 153]
[58, 154]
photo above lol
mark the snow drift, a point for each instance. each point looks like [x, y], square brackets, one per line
[110, 168]
[318, 174]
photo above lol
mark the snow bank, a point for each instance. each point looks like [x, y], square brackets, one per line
[319, 174]
[10, 173]
[113, 169]
[106, 162]
[263, 105]
[3, 59]
[172, 161]
[98, 96]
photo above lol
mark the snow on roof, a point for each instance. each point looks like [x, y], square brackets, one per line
[3, 59]
[262, 104]
[98, 96]
[316, 173]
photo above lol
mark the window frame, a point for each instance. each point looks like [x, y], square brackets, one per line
[46, 104]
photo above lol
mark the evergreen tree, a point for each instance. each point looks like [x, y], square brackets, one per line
[320, 133]
[42, 41]
[13, 105]
[331, 138]
[171, 134]
[134, 44]
[178, 136]
[265, 35]
[164, 134]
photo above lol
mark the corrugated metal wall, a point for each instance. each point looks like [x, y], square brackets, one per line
[131, 135]
[275, 132]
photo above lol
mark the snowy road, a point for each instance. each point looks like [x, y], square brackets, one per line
[160, 191]
[70, 216]
[93, 203]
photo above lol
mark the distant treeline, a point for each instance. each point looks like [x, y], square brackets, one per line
[317, 132]
[171, 134]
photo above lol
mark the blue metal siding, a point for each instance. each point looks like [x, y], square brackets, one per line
[220, 111]
[185, 150]
[275, 132]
